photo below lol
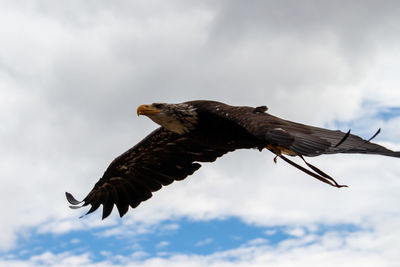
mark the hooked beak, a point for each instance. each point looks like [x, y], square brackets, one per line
[147, 110]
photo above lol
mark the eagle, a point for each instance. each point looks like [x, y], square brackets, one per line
[202, 131]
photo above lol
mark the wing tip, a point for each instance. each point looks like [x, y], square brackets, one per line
[71, 199]
[106, 212]
[395, 154]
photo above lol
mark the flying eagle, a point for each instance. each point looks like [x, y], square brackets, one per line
[201, 131]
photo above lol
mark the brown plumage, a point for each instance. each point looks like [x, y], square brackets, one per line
[202, 131]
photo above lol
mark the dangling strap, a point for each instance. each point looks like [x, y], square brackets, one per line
[320, 175]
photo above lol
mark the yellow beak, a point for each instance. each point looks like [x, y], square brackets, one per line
[147, 110]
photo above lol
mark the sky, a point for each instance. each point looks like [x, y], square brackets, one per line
[72, 74]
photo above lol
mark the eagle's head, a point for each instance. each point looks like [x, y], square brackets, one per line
[178, 118]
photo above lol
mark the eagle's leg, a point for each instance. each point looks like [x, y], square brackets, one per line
[278, 151]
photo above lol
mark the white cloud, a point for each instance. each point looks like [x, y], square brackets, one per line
[204, 242]
[75, 241]
[72, 75]
[162, 244]
[297, 232]
[270, 231]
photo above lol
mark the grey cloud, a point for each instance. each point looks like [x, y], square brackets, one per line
[231, 51]
[355, 22]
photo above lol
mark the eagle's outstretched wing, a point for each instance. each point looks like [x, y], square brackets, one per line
[296, 139]
[310, 141]
[159, 159]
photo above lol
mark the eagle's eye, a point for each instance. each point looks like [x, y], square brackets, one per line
[158, 106]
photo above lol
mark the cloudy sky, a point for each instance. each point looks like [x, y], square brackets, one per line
[72, 74]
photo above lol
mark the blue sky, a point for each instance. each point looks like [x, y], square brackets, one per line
[73, 73]
[168, 238]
